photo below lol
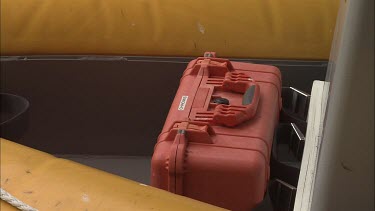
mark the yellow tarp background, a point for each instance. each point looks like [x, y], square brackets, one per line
[286, 29]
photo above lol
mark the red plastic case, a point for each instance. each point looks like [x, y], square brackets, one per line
[217, 151]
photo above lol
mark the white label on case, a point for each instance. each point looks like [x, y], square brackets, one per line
[183, 101]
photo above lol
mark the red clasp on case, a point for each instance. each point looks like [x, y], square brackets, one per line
[209, 54]
[184, 131]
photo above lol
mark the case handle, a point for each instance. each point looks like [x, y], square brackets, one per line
[232, 115]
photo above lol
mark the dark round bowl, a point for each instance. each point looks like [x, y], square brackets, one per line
[13, 116]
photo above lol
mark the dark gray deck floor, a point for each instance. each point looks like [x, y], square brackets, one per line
[134, 168]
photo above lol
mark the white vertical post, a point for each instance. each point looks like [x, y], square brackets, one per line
[345, 170]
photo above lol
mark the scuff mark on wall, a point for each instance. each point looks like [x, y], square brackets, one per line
[85, 198]
[346, 167]
[28, 192]
[58, 203]
[201, 28]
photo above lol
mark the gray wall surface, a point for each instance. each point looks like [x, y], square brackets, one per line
[345, 174]
[109, 105]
